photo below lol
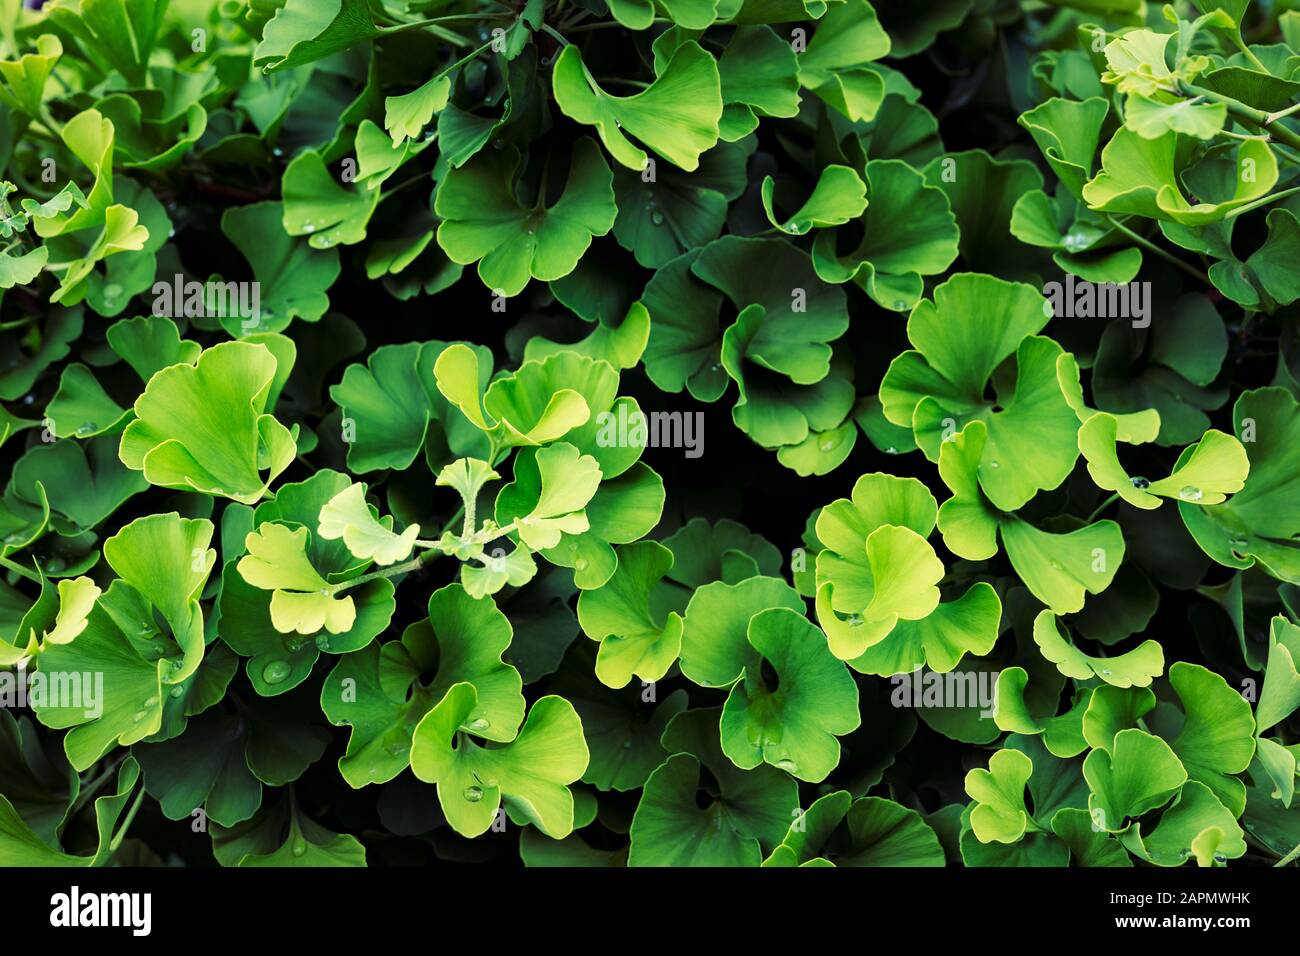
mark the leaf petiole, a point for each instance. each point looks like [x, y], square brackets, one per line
[1150, 246]
[18, 569]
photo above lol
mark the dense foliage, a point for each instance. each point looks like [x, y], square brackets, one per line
[649, 432]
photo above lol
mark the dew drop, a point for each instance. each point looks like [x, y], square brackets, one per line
[580, 564]
[627, 745]
[994, 464]
[828, 444]
[1238, 544]
[1107, 671]
[473, 794]
[891, 450]
[323, 643]
[138, 716]
[275, 672]
[1190, 493]
[299, 847]
[899, 305]
[480, 723]
[151, 700]
[85, 428]
[112, 290]
[657, 218]
[1140, 483]
[786, 764]
[1075, 241]
[176, 692]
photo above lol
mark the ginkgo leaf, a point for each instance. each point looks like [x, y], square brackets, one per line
[530, 775]
[676, 116]
[347, 516]
[1213, 468]
[485, 222]
[302, 600]
[1136, 668]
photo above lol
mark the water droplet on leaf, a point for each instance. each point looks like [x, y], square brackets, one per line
[473, 794]
[1190, 493]
[275, 672]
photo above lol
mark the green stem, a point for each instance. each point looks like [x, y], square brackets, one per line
[482, 537]
[1102, 507]
[18, 569]
[1150, 246]
[89, 790]
[1286, 154]
[1293, 108]
[551, 31]
[48, 119]
[421, 177]
[406, 566]
[1250, 55]
[455, 516]
[1247, 114]
[434, 26]
[126, 824]
[1290, 857]
[1264, 201]
[1262, 137]
[470, 507]
[624, 80]
[461, 62]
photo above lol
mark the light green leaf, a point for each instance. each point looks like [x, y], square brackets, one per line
[347, 516]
